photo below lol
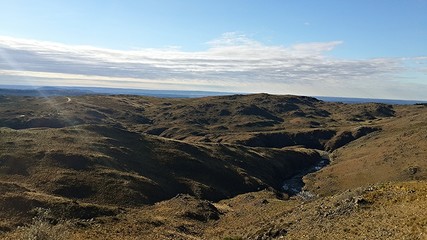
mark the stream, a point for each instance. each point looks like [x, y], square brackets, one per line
[294, 184]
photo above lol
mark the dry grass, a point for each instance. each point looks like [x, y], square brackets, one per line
[43, 227]
[102, 159]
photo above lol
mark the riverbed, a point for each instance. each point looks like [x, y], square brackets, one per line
[295, 184]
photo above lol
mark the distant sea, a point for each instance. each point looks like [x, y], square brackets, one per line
[77, 91]
[369, 100]
[16, 90]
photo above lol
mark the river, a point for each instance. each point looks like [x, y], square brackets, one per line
[294, 184]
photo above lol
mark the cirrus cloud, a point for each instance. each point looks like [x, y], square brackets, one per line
[232, 62]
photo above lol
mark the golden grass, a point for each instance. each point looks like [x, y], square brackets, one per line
[112, 172]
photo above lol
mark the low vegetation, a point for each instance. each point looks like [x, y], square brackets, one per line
[129, 167]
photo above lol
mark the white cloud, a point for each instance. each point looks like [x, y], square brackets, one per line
[232, 62]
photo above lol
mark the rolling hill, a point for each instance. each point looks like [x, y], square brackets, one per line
[131, 167]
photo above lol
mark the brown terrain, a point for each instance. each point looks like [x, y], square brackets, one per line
[130, 167]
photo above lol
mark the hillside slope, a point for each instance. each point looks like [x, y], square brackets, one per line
[120, 167]
[105, 164]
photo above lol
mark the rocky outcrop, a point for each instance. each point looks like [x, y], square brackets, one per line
[345, 137]
[314, 139]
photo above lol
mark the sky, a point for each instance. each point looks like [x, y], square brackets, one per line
[359, 48]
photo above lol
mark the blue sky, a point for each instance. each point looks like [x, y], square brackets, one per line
[360, 48]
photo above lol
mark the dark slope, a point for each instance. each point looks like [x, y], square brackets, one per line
[104, 164]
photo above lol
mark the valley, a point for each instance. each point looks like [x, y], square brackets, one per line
[135, 167]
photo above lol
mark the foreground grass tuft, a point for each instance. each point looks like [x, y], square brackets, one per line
[43, 228]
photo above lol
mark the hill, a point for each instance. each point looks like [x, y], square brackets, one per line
[123, 166]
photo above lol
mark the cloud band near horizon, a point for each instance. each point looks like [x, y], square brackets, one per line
[231, 63]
